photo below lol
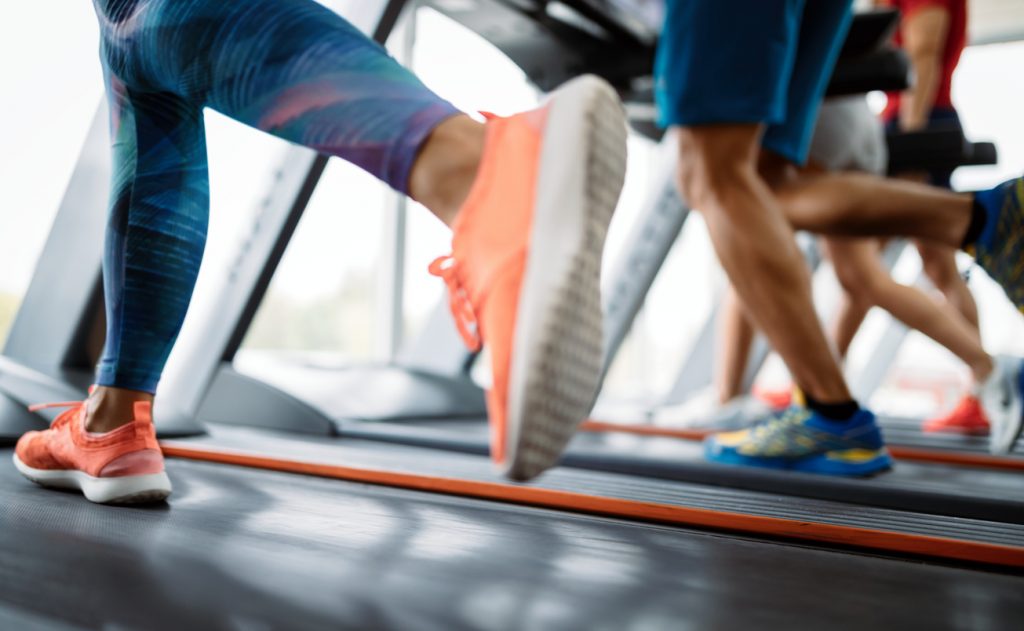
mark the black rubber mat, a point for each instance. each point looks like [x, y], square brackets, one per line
[402, 458]
[907, 431]
[244, 549]
[986, 494]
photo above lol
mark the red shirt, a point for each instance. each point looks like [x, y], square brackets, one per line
[956, 40]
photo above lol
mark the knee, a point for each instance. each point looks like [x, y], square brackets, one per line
[862, 287]
[939, 266]
[712, 163]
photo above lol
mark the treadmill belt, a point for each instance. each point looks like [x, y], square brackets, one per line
[979, 493]
[907, 431]
[737, 509]
[248, 549]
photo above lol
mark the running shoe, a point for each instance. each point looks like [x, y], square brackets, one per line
[967, 418]
[1002, 398]
[524, 271]
[798, 439]
[123, 466]
[1000, 248]
[701, 413]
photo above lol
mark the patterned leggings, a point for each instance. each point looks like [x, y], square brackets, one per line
[288, 67]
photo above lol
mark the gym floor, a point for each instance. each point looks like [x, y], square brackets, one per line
[245, 549]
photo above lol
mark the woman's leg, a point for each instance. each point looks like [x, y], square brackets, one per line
[294, 69]
[859, 271]
[853, 308]
[155, 238]
[735, 338]
[529, 199]
[939, 264]
[848, 320]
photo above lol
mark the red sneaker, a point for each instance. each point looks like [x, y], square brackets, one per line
[777, 399]
[967, 418]
[123, 466]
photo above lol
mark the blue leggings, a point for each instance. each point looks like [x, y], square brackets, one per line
[288, 67]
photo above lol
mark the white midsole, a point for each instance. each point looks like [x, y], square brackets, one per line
[557, 232]
[98, 490]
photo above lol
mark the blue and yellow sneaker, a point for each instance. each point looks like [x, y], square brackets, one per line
[1000, 247]
[798, 439]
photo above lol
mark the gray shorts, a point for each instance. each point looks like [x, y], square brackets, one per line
[848, 137]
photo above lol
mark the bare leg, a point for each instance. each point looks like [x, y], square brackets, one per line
[848, 321]
[857, 204]
[755, 244]
[110, 408]
[446, 166]
[939, 265]
[853, 308]
[868, 283]
[734, 338]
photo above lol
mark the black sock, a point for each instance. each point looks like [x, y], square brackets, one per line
[978, 218]
[841, 411]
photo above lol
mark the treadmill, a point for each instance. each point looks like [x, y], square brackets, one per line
[441, 408]
[412, 407]
[286, 516]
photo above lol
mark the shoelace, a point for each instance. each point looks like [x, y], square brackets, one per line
[778, 424]
[446, 268]
[59, 404]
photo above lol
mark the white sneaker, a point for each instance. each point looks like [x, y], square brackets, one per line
[742, 412]
[1002, 398]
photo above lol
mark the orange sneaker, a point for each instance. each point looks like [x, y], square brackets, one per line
[123, 466]
[966, 418]
[524, 273]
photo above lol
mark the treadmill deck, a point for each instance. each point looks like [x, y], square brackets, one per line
[248, 549]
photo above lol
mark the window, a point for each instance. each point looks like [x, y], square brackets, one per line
[51, 86]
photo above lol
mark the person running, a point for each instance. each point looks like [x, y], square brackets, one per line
[528, 197]
[848, 137]
[740, 89]
[934, 35]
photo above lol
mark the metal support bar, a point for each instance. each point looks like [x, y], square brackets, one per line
[391, 294]
[655, 231]
[61, 297]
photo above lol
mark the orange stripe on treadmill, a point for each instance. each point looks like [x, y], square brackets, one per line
[868, 538]
[957, 458]
[647, 430]
[913, 454]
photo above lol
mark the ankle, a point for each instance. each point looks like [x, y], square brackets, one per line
[825, 388]
[110, 408]
[983, 369]
[833, 410]
[447, 165]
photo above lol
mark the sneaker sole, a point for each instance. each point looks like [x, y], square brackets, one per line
[837, 464]
[824, 464]
[129, 489]
[558, 344]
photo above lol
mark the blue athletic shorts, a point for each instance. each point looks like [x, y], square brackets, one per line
[750, 61]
